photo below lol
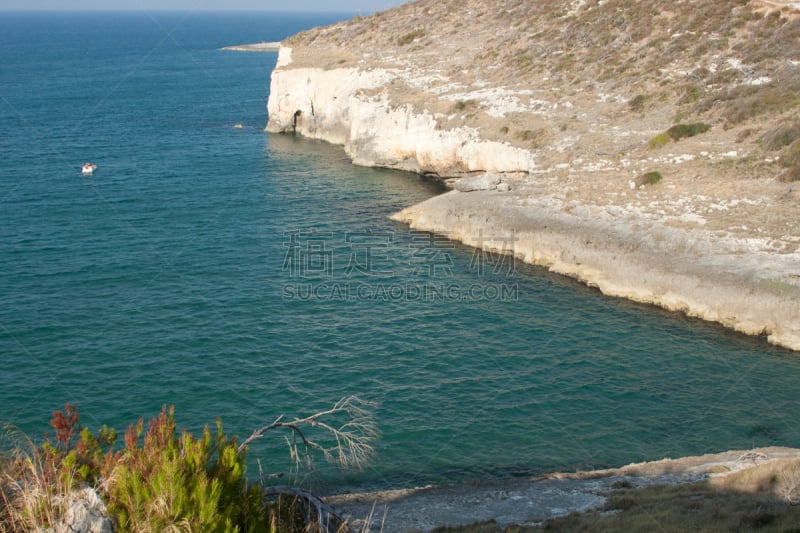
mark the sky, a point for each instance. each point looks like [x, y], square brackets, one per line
[342, 6]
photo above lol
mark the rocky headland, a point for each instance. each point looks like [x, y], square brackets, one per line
[650, 149]
[255, 47]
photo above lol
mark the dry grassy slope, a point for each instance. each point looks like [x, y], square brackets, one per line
[587, 84]
[732, 63]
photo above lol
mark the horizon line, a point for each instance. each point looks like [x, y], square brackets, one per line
[200, 10]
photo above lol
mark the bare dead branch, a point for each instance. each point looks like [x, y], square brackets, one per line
[352, 440]
[257, 434]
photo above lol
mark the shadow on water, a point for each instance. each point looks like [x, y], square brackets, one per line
[315, 156]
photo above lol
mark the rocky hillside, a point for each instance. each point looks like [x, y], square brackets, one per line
[550, 76]
[665, 136]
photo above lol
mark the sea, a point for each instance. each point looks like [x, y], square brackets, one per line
[240, 275]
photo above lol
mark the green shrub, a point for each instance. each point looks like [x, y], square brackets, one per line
[165, 479]
[535, 138]
[679, 131]
[692, 94]
[463, 105]
[162, 480]
[648, 178]
[410, 37]
[658, 141]
[637, 102]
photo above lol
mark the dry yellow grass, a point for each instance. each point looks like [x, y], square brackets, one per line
[32, 496]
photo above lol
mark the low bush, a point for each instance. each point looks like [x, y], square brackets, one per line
[679, 131]
[410, 37]
[195, 483]
[740, 103]
[637, 102]
[648, 178]
[163, 479]
[790, 174]
[780, 136]
[790, 160]
[658, 141]
[463, 105]
[534, 138]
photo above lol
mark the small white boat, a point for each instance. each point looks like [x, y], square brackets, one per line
[88, 168]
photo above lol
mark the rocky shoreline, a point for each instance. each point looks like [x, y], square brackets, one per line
[625, 256]
[534, 500]
[580, 174]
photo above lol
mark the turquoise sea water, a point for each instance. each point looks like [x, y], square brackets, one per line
[243, 275]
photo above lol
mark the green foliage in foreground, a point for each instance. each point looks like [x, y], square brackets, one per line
[162, 478]
[196, 482]
[658, 141]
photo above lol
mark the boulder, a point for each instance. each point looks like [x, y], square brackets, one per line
[86, 513]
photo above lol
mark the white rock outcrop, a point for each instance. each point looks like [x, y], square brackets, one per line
[85, 513]
[347, 106]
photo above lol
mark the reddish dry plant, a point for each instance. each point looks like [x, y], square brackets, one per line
[66, 425]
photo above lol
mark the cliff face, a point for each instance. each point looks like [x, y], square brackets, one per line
[648, 148]
[337, 106]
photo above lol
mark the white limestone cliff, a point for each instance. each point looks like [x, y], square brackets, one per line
[337, 106]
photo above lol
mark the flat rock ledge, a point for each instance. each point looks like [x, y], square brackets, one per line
[533, 500]
[691, 271]
[255, 47]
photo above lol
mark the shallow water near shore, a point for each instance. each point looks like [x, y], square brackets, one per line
[242, 275]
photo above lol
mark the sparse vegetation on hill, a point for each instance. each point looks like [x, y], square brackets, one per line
[730, 64]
